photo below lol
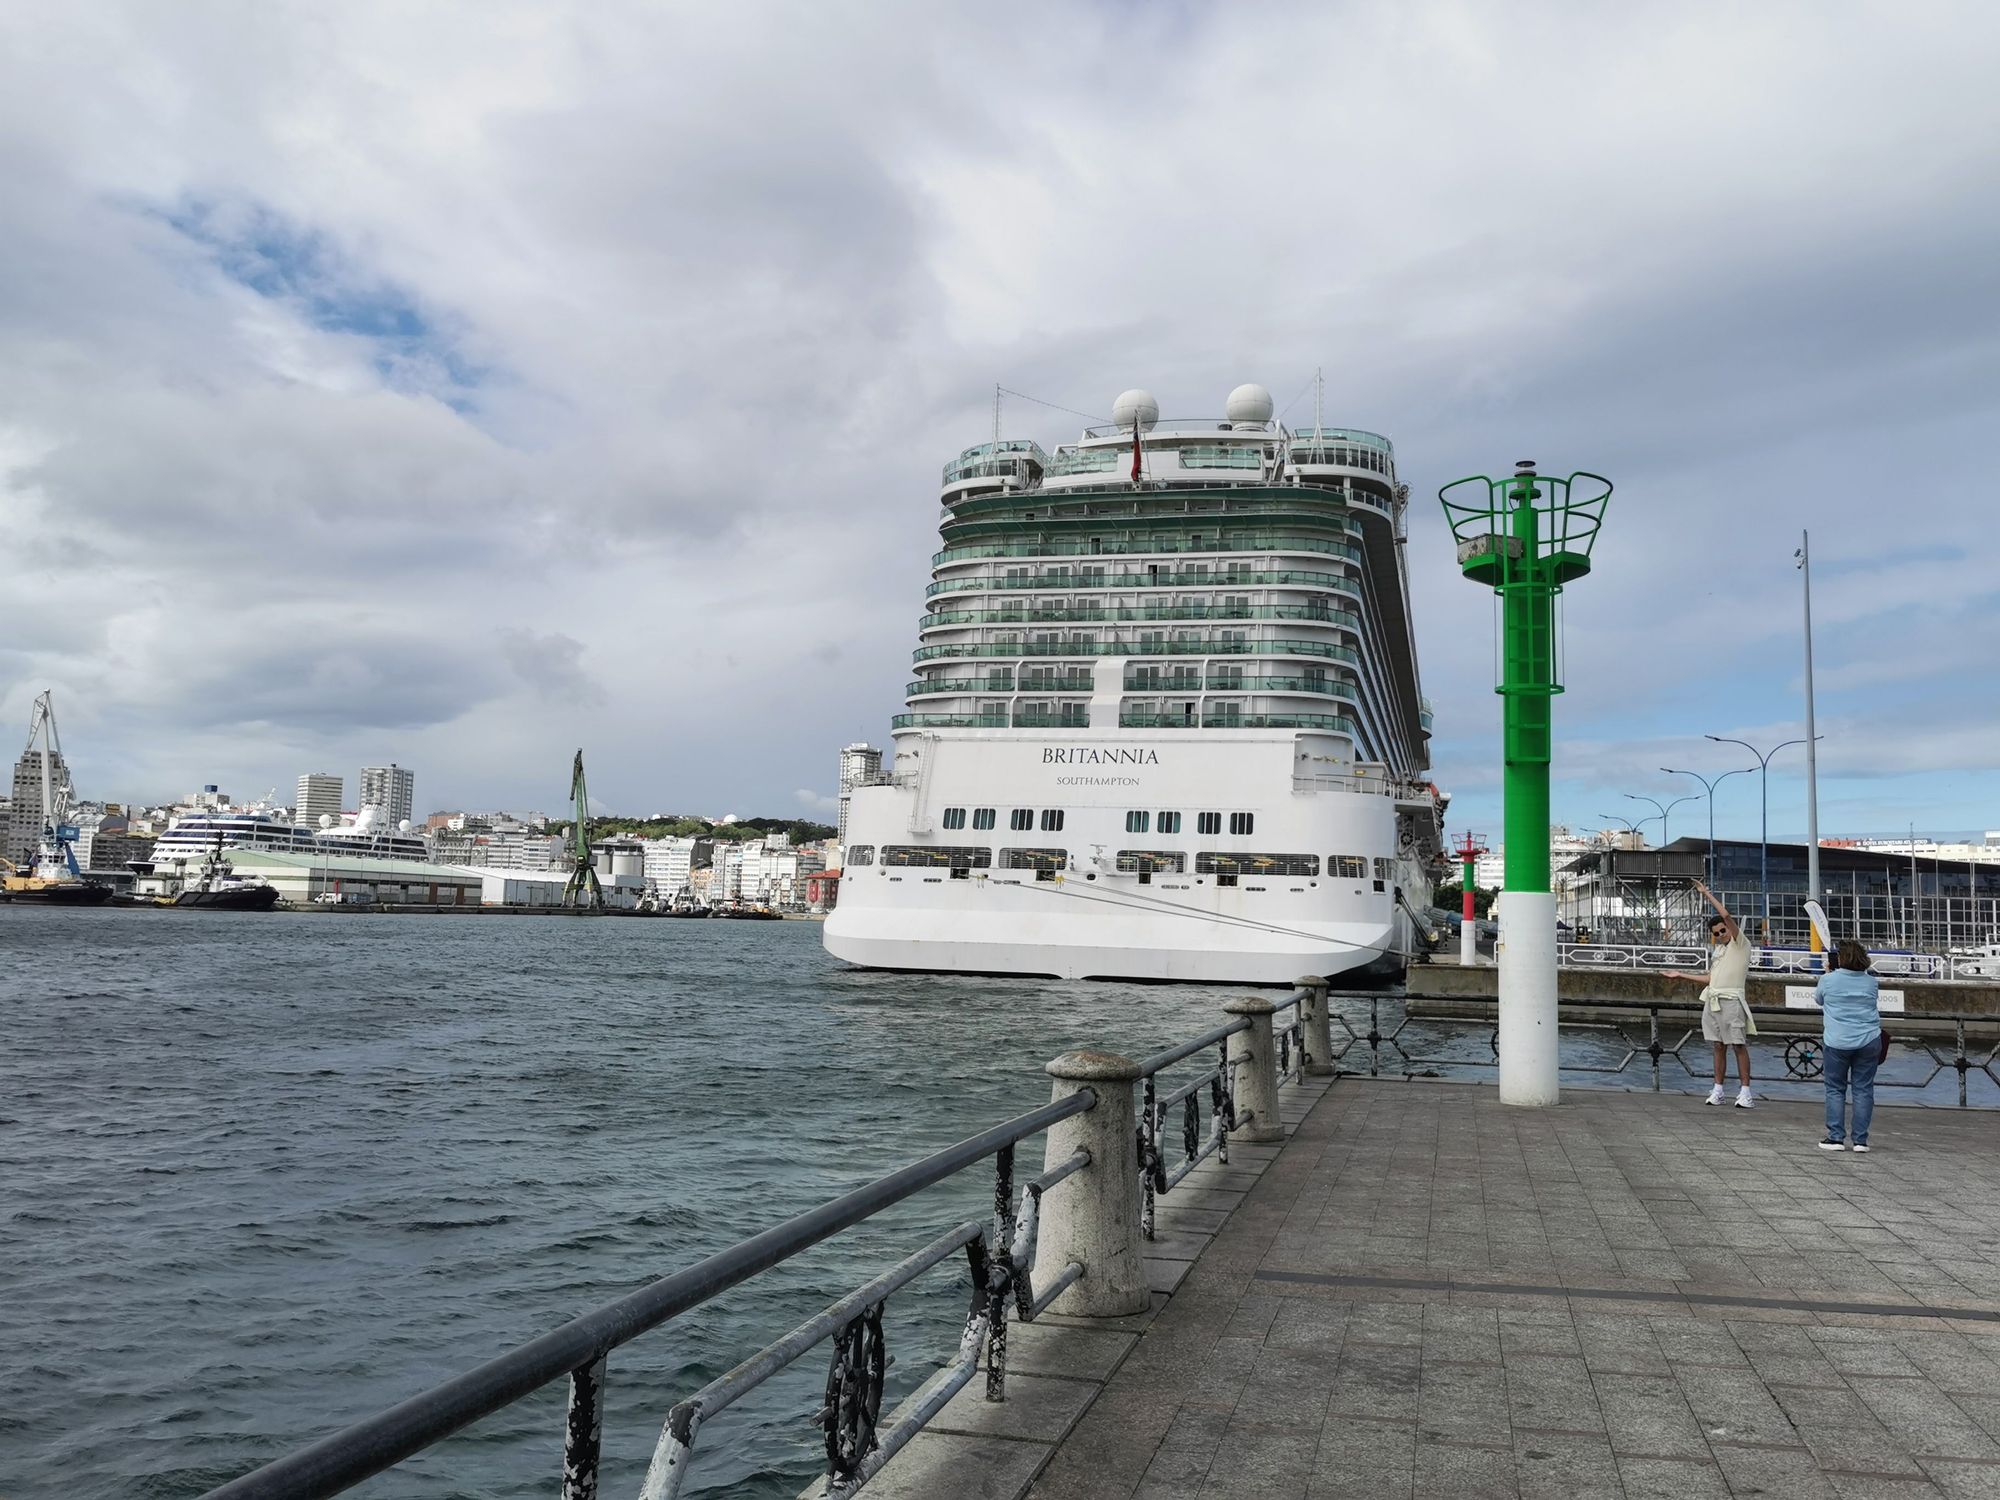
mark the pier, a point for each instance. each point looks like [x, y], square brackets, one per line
[1278, 1259]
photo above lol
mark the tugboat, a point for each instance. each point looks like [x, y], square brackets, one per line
[218, 887]
[54, 877]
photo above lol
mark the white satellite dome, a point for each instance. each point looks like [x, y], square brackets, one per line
[1248, 403]
[1137, 406]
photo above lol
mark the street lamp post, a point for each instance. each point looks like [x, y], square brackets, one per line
[1764, 824]
[1664, 811]
[1708, 785]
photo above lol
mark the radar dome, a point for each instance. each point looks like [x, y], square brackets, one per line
[1248, 403]
[1135, 406]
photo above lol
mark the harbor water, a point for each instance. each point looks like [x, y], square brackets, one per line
[267, 1174]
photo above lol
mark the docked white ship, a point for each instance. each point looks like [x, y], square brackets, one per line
[1166, 722]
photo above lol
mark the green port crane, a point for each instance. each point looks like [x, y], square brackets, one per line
[581, 889]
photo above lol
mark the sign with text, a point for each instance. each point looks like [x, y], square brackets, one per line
[1800, 997]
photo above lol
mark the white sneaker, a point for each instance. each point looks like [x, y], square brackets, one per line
[1715, 1094]
[1743, 1099]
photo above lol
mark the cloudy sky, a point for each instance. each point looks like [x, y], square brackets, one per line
[459, 384]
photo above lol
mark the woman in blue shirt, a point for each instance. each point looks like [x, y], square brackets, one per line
[1853, 1040]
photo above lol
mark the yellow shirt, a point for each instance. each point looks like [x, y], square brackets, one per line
[1729, 964]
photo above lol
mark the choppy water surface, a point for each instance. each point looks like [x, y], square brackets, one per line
[262, 1175]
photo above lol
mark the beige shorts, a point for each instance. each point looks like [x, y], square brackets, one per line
[1725, 1018]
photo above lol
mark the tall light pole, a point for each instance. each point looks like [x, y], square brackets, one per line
[1804, 556]
[1764, 824]
[1664, 811]
[1709, 784]
[1525, 537]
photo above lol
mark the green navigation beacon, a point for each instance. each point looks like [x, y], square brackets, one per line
[1525, 537]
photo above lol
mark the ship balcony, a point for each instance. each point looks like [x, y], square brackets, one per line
[1186, 577]
[1221, 718]
[1069, 716]
[1313, 614]
[999, 682]
[1008, 456]
[1234, 541]
[1322, 687]
[1222, 646]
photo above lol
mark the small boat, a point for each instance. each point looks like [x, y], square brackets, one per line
[749, 913]
[217, 887]
[686, 911]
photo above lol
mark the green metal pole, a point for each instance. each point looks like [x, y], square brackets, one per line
[1527, 681]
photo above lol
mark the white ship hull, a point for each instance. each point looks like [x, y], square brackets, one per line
[1293, 795]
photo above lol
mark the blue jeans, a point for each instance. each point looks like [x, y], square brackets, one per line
[1851, 1067]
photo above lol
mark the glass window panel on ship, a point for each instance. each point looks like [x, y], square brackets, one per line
[982, 817]
[860, 854]
[1021, 819]
[1347, 866]
[1152, 862]
[1136, 822]
[1170, 822]
[1208, 822]
[937, 856]
[954, 817]
[1034, 859]
[1212, 863]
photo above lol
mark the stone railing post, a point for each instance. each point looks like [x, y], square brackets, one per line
[1093, 1218]
[1253, 1059]
[1315, 1009]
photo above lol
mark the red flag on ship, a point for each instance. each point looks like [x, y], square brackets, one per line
[1135, 448]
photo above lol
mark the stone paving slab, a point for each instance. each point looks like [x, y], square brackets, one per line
[1425, 1293]
[1428, 1294]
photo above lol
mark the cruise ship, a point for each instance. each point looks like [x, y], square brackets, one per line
[1165, 722]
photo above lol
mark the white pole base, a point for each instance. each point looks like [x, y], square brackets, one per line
[1528, 998]
[1468, 944]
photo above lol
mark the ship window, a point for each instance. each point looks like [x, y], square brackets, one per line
[1137, 822]
[982, 817]
[1152, 861]
[954, 817]
[1052, 820]
[1243, 823]
[1212, 863]
[1347, 866]
[1382, 870]
[860, 854]
[1021, 819]
[1170, 822]
[1208, 822]
[937, 856]
[1034, 859]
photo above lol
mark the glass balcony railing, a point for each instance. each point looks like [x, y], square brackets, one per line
[1312, 505]
[1075, 718]
[1164, 612]
[1328, 687]
[1141, 719]
[1071, 579]
[1134, 547]
[949, 721]
[928, 685]
[1003, 457]
[1211, 647]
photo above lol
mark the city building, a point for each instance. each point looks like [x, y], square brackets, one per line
[1490, 871]
[668, 864]
[859, 765]
[303, 878]
[1884, 900]
[24, 813]
[1987, 850]
[319, 795]
[391, 788]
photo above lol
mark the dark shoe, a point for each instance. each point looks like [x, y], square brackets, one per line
[1830, 1144]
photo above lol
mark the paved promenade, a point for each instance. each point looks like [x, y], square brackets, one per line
[1424, 1293]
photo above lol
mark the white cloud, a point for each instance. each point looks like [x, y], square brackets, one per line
[466, 384]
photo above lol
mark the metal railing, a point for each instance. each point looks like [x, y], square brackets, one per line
[1887, 963]
[1001, 1262]
[1801, 1051]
